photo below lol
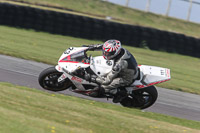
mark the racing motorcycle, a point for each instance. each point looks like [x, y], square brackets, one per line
[74, 65]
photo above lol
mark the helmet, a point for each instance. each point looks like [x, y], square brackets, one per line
[111, 49]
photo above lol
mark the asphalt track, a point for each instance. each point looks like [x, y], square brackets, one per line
[170, 102]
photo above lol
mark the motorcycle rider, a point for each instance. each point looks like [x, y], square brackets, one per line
[124, 71]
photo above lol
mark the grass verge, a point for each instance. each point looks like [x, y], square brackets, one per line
[47, 48]
[29, 110]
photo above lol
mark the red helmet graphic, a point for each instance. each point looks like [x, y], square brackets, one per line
[111, 49]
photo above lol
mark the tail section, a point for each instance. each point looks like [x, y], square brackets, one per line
[151, 75]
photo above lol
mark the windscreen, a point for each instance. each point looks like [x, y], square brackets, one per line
[77, 57]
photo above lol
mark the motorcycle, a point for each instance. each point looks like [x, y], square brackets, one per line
[74, 64]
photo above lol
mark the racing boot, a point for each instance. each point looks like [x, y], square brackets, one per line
[119, 96]
[97, 92]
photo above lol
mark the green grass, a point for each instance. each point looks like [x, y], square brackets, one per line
[47, 48]
[97, 8]
[33, 111]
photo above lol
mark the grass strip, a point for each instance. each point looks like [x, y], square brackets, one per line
[29, 110]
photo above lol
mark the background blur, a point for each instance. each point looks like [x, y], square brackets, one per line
[182, 9]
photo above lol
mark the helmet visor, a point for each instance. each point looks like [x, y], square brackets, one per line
[108, 55]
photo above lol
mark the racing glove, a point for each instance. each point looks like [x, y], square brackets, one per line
[93, 47]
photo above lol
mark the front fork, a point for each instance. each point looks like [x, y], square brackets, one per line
[63, 76]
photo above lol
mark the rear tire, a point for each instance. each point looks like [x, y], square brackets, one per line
[48, 79]
[141, 99]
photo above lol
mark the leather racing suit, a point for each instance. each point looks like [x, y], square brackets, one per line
[124, 71]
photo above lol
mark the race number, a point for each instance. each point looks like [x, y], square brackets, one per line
[68, 50]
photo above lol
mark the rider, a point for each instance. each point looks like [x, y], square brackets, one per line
[124, 71]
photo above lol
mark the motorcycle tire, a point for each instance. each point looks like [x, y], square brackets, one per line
[48, 79]
[141, 99]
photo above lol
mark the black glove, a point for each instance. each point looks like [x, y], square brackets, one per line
[93, 47]
[90, 47]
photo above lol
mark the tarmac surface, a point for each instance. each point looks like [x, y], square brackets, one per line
[174, 103]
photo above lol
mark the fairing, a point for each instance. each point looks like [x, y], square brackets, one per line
[73, 58]
[100, 66]
[151, 75]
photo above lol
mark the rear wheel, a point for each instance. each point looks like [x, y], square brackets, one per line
[48, 79]
[142, 98]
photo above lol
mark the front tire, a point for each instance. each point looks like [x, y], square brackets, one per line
[141, 99]
[48, 79]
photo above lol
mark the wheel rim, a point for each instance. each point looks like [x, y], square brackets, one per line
[142, 98]
[51, 81]
[139, 99]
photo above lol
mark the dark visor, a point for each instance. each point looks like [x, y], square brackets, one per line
[108, 54]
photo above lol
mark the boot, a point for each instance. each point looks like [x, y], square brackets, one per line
[97, 92]
[119, 96]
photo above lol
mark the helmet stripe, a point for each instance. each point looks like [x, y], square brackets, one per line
[113, 46]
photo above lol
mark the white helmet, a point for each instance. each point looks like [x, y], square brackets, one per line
[111, 49]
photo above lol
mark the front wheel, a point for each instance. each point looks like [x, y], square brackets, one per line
[48, 79]
[142, 98]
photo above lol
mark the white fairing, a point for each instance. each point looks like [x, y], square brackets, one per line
[71, 66]
[153, 74]
[100, 66]
[150, 75]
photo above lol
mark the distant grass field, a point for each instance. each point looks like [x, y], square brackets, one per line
[98, 8]
[47, 48]
[25, 110]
